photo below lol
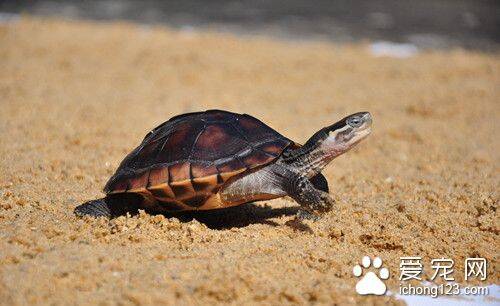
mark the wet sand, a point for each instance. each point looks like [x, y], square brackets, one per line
[76, 97]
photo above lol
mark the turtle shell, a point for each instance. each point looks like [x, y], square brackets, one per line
[184, 161]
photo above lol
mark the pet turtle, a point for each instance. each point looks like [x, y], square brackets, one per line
[217, 159]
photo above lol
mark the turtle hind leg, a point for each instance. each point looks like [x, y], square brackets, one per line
[111, 206]
[94, 208]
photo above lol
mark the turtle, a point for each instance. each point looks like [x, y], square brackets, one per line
[217, 159]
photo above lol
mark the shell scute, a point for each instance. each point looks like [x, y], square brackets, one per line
[138, 182]
[205, 184]
[162, 192]
[200, 170]
[255, 158]
[179, 172]
[183, 189]
[273, 148]
[230, 164]
[158, 176]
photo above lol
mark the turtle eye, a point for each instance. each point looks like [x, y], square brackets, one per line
[355, 122]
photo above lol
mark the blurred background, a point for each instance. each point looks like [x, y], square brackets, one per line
[471, 24]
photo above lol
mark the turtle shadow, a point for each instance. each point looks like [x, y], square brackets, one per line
[217, 219]
[238, 216]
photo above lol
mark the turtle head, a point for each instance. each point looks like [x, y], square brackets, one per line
[340, 137]
[347, 132]
[330, 142]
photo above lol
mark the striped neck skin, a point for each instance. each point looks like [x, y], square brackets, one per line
[328, 143]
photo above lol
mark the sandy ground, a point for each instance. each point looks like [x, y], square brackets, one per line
[76, 97]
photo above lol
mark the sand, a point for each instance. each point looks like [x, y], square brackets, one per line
[77, 96]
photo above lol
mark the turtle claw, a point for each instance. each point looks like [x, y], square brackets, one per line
[327, 203]
[298, 223]
[306, 215]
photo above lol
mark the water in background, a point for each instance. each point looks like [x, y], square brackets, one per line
[472, 24]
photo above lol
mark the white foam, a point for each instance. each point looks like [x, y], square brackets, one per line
[391, 49]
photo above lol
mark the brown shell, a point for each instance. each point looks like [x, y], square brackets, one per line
[182, 163]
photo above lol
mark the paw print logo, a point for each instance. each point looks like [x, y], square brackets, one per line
[370, 283]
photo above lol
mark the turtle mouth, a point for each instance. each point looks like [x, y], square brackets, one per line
[368, 119]
[361, 134]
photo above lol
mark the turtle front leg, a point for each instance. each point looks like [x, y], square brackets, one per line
[319, 181]
[300, 188]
